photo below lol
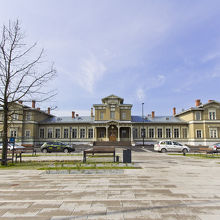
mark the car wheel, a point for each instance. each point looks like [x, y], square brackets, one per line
[44, 150]
[185, 151]
[163, 150]
[66, 150]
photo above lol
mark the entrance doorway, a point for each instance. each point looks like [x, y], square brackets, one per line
[113, 132]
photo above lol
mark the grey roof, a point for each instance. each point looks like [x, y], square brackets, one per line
[67, 119]
[157, 119]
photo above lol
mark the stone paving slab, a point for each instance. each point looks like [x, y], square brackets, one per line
[166, 188]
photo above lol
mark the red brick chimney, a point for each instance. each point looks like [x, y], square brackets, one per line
[73, 114]
[91, 112]
[33, 103]
[48, 110]
[174, 111]
[20, 102]
[38, 109]
[153, 114]
[198, 103]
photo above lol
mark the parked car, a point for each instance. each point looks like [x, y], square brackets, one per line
[56, 147]
[215, 147]
[16, 147]
[164, 146]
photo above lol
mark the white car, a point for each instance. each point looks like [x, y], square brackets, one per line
[164, 146]
[10, 147]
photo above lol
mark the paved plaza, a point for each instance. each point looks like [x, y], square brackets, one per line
[167, 187]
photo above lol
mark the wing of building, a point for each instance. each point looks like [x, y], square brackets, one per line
[112, 121]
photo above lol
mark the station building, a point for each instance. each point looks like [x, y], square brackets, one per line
[112, 122]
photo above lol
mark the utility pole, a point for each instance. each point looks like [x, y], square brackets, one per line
[143, 122]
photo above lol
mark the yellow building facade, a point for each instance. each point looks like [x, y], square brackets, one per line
[112, 121]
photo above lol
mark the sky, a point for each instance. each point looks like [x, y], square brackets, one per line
[163, 53]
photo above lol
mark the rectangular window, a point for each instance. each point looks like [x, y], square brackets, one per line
[101, 115]
[184, 132]
[198, 116]
[151, 133]
[212, 115]
[143, 133]
[135, 133]
[13, 133]
[123, 133]
[65, 132]
[176, 133]
[213, 133]
[28, 116]
[123, 115]
[49, 133]
[27, 133]
[90, 134]
[15, 116]
[1, 133]
[74, 133]
[57, 133]
[1, 117]
[41, 133]
[112, 115]
[159, 132]
[198, 133]
[82, 133]
[168, 133]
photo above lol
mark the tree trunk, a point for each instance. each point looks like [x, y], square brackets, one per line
[5, 136]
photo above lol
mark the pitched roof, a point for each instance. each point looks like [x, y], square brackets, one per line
[67, 119]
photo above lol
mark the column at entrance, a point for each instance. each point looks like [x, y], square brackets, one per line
[106, 133]
[131, 133]
[118, 133]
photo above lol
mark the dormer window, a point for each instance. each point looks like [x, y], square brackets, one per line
[212, 115]
[112, 115]
[28, 116]
[198, 116]
[15, 116]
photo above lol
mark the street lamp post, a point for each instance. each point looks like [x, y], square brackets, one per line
[143, 122]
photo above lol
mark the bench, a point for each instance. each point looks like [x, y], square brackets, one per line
[14, 154]
[99, 150]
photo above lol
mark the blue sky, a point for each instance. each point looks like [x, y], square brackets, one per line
[164, 53]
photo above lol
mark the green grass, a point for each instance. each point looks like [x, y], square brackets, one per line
[49, 154]
[99, 156]
[65, 165]
[201, 156]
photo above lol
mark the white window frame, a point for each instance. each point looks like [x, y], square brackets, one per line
[135, 131]
[161, 132]
[90, 133]
[51, 132]
[1, 117]
[184, 137]
[13, 132]
[123, 115]
[82, 134]
[150, 128]
[15, 116]
[65, 134]
[55, 133]
[101, 115]
[112, 114]
[144, 132]
[198, 113]
[26, 132]
[73, 130]
[170, 132]
[197, 134]
[40, 132]
[213, 133]
[174, 132]
[28, 116]
[212, 114]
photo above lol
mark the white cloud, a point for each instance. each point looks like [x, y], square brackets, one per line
[91, 71]
[140, 94]
[211, 56]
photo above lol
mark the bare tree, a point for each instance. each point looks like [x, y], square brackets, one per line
[21, 75]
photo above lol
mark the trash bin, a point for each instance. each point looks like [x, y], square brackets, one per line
[117, 159]
[127, 156]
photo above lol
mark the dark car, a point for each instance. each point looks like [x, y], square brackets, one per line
[56, 147]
